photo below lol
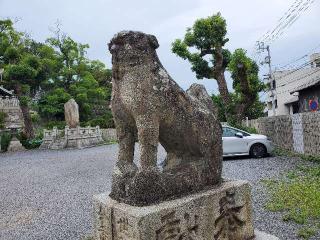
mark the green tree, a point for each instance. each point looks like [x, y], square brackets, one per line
[27, 64]
[203, 46]
[246, 84]
[72, 61]
[51, 105]
[88, 82]
[88, 94]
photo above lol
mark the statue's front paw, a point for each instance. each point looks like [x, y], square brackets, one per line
[126, 168]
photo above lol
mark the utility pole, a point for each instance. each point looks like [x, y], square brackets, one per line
[267, 60]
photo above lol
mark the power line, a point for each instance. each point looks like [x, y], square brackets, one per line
[300, 77]
[294, 61]
[300, 58]
[293, 19]
[289, 90]
[290, 20]
[287, 20]
[280, 21]
[299, 68]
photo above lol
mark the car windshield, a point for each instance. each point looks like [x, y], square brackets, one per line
[231, 132]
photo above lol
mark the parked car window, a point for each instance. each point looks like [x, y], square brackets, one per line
[229, 132]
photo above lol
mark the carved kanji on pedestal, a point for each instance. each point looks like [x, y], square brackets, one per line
[229, 221]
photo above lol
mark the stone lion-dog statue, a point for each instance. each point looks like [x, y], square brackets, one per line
[148, 105]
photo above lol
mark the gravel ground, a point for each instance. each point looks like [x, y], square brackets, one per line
[48, 194]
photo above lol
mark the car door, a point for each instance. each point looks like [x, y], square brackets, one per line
[231, 143]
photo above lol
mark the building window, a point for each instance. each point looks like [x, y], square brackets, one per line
[276, 103]
[274, 84]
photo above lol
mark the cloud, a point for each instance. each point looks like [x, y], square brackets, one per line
[96, 21]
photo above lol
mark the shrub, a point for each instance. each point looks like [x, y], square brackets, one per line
[35, 117]
[3, 115]
[5, 141]
[58, 124]
[244, 128]
[104, 121]
[29, 143]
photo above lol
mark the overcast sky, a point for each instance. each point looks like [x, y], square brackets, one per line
[96, 21]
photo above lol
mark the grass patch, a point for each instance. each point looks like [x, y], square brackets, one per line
[111, 142]
[298, 196]
[287, 153]
[307, 232]
[88, 238]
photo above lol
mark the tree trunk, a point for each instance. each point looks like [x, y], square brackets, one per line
[28, 126]
[246, 94]
[222, 83]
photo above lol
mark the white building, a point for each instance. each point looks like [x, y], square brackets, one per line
[279, 99]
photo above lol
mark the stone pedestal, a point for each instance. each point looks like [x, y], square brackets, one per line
[15, 145]
[223, 212]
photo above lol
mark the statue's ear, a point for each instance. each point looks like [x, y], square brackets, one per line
[112, 47]
[153, 41]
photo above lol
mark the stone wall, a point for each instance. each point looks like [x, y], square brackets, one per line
[311, 132]
[297, 132]
[109, 134]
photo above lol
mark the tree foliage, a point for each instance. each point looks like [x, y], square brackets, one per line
[88, 82]
[246, 84]
[26, 64]
[203, 46]
[49, 74]
[207, 37]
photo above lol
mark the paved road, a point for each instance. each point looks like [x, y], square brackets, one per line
[48, 194]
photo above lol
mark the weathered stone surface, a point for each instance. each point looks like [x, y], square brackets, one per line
[79, 137]
[148, 105]
[15, 145]
[298, 132]
[109, 134]
[221, 213]
[71, 113]
[11, 107]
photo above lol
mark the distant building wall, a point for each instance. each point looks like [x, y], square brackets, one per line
[297, 132]
[284, 81]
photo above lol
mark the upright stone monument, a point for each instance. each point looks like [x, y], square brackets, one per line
[71, 113]
[185, 198]
[73, 136]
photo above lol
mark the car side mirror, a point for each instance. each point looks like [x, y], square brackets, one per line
[239, 135]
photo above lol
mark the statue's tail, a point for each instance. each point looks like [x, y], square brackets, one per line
[199, 92]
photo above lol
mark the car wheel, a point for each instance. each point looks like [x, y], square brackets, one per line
[258, 150]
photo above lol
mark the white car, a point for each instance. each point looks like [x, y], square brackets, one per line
[240, 143]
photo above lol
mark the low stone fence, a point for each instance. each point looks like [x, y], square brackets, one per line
[109, 134]
[297, 132]
[78, 137]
